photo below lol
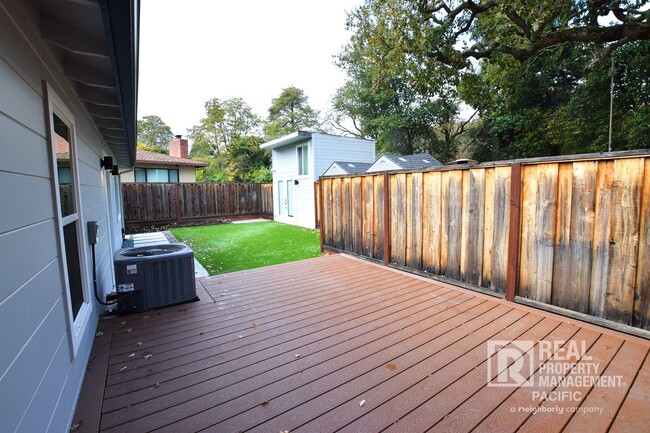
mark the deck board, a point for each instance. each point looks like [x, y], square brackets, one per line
[297, 347]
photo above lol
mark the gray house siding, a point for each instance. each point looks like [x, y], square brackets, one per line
[40, 376]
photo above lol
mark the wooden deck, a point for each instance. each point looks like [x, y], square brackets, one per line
[340, 344]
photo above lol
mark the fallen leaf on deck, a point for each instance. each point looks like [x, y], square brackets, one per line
[123, 368]
[255, 325]
[362, 402]
[264, 403]
[139, 343]
[297, 355]
[391, 367]
[75, 427]
[99, 334]
[123, 322]
[240, 336]
[128, 330]
[145, 317]
[148, 356]
[132, 355]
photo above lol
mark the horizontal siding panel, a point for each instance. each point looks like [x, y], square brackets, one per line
[36, 297]
[17, 209]
[24, 376]
[40, 410]
[15, 270]
[29, 151]
[29, 111]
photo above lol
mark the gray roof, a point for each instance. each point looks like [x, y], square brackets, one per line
[351, 167]
[414, 162]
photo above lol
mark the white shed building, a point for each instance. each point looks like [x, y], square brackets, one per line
[299, 159]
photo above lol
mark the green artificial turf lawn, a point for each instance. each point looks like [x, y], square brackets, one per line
[235, 247]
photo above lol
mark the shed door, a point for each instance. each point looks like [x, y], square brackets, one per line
[290, 197]
[281, 195]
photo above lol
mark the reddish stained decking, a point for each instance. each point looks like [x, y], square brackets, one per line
[297, 347]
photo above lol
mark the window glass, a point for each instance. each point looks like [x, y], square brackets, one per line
[303, 160]
[173, 176]
[157, 175]
[140, 175]
[62, 143]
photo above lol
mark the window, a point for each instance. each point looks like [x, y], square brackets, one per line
[303, 160]
[156, 175]
[69, 217]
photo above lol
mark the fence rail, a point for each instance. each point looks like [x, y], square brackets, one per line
[571, 233]
[161, 203]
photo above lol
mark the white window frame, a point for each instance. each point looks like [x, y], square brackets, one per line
[77, 326]
[299, 160]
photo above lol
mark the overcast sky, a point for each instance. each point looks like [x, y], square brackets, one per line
[195, 50]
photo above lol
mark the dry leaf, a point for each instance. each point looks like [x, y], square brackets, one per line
[132, 355]
[145, 317]
[123, 322]
[128, 330]
[75, 427]
[99, 334]
[391, 367]
[297, 355]
[255, 325]
[284, 431]
[362, 402]
[240, 336]
[148, 356]
[123, 368]
[264, 403]
[139, 343]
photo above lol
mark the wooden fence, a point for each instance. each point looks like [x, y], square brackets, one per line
[567, 234]
[163, 203]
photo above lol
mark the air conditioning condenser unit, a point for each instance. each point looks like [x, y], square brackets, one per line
[154, 276]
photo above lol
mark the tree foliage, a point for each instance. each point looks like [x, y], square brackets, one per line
[290, 112]
[534, 70]
[154, 133]
[227, 138]
[224, 121]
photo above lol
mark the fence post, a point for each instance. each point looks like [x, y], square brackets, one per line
[316, 203]
[321, 213]
[227, 201]
[259, 199]
[386, 219]
[178, 202]
[514, 231]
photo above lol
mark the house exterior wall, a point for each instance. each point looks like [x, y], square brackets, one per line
[40, 375]
[383, 164]
[324, 149]
[186, 174]
[330, 148]
[334, 170]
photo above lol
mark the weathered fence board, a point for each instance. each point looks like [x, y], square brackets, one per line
[582, 239]
[173, 202]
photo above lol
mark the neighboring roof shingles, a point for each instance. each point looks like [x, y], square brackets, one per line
[414, 162]
[351, 167]
[147, 157]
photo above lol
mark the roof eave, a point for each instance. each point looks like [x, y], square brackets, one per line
[122, 26]
[294, 137]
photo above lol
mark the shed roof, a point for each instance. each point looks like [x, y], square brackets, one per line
[147, 157]
[351, 167]
[417, 161]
